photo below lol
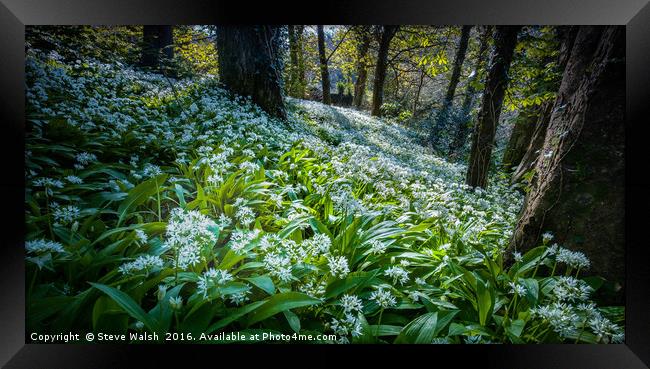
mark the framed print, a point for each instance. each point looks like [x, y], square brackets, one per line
[403, 181]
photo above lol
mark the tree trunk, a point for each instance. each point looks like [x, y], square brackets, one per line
[324, 72]
[416, 100]
[293, 85]
[362, 68]
[443, 118]
[462, 130]
[505, 39]
[157, 40]
[249, 64]
[578, 189]
[526, 164]
[380, 71]
[300, 88]
[520, 138]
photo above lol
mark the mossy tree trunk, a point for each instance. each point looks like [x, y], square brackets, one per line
[442, 118]
[296, 68]
[324, 71]
[505, 39]
[461, 131]
[249, 65]
[577, 192]
[387, 35]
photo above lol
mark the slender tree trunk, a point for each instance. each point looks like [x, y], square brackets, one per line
[293, 61]
[442, 119]
[249, 64]
[362, 68]
[157, 40]
[324, 72]
[505, 39]
[462, 130]
[387, 35]
[578, 189]
[417, 93]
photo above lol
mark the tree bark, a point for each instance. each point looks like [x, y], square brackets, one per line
[362, 67]
[387, 35]
[157, 40]
[324, 72]
[462, 130]
[578, 189]
[249, 64]
[505, 39]
[294, 63]
[522, 133]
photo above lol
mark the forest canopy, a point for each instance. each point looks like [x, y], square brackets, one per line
[354, 183]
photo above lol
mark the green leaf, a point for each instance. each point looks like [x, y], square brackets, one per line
[420, 330]
[293, 320]
[281, 302]
[138, 195]
[233, 315]
[131, 307]
[263, 282]
[484, 300]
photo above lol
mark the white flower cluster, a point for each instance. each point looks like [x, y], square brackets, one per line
[212, 278]
[338, 266]
[43, 245]
[398, 274]
[147, 263]
[188, 233]
[383, 297]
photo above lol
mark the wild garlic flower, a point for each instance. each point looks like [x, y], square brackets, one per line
[147, 263]
[188, 233]
[350, 325]
[141, 236]
[212, 278]
[43, 246]
[377, 247]
[351, 303]
[74, 179]
[516, 288]
[384, 298]
[66, 214]
[338, 266]
[574, 259]
[398, 274]
[546, 237]
[176, 303]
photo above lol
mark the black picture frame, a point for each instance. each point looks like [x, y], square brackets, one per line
[15, 14]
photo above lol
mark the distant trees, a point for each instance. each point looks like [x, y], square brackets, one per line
[505, 39]
[387, 34]
[249, 64]
[157, 41]
[577, 190]
[443, 114]
[461, 129]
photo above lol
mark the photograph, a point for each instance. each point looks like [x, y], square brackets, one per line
[325, 184]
